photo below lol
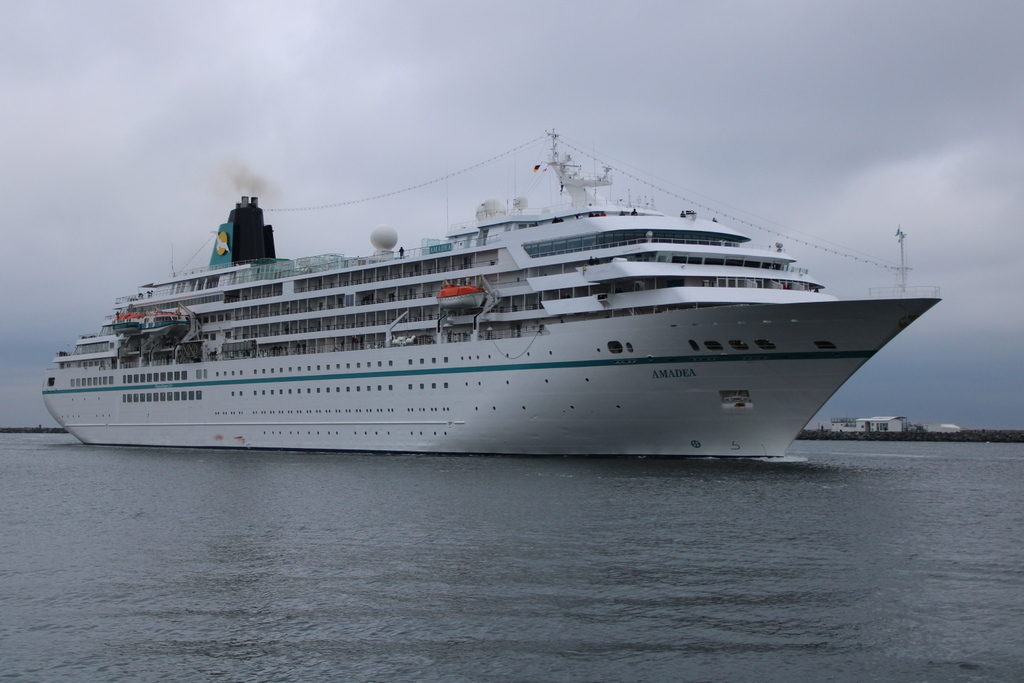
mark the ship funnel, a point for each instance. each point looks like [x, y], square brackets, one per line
[244, 237]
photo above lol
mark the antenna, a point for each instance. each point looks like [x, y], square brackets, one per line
[902, 272]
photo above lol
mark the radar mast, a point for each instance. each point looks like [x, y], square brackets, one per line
[581, 187]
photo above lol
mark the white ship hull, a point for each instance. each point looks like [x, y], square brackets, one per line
[556, 391]
[601, 328]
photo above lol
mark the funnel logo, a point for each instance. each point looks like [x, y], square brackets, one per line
[222, 244]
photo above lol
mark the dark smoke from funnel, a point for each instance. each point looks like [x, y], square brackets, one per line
[243, 180]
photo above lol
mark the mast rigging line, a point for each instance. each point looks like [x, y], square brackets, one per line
[192, 258]
[845, 253]
[416, 187]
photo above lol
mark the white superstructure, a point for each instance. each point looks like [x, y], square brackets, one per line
[593, 328]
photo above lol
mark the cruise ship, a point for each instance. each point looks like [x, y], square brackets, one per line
[595, 327]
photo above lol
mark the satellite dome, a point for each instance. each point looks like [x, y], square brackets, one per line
[384, 238]
[521, 202]
[489, 209]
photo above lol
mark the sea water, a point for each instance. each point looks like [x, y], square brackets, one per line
[846, 561]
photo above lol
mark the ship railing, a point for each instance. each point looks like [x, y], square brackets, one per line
[208, 269]
[371, 279]
[302, 288]
[144, 362]
[338, 326]
[533, 214]
[298, 329]
[420, 338]
[363, 301]
[539, 253]
[759, 283]
[665, 240]
[368, 279]
[903, 292]
[261, 271]
[513, 333]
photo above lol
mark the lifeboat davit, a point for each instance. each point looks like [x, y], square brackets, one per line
[459, 296]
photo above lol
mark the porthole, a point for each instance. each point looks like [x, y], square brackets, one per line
[824, 345]
[615, 347]
[712, 346]
[738, 344]
[764, 344]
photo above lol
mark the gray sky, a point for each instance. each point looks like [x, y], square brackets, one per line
[123, 125]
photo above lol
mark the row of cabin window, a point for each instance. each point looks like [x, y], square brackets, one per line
[204, 374]
[94, 347]
[444, 264]
[102, 380]
[738, 263]
[359, 388]
[169, 376]
[740, 345]
[320, 303]
[309, 368]
[157, 396]
[616, 238]
[101, 364]
[182, 375]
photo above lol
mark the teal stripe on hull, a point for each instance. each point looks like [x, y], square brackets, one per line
[661, 360]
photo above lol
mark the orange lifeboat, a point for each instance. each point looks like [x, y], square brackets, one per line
[459, 296]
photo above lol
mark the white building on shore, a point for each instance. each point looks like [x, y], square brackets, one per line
[870, 424]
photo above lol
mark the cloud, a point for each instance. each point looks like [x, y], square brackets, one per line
[131, 130]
